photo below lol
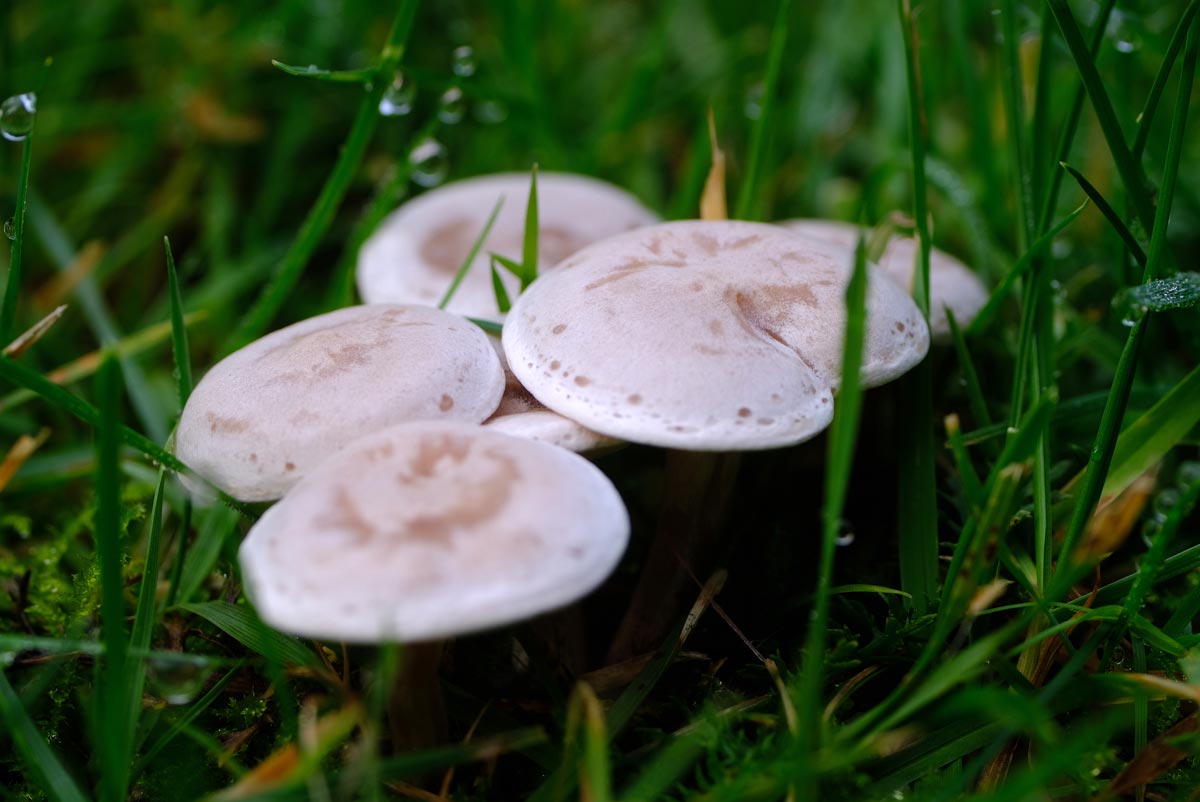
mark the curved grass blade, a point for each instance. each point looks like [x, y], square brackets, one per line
[1110, 214]
[471, 254]
[241, 624]
[336, 76]
[1127, 166]
[321, 215]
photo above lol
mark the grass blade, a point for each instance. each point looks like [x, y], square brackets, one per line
[179, 338]
[1110, 214]
[529, 244]
[502, 301]
[321, 214]
[748, 204]
[918, 490]
[1160, 79]
[241, 624]
[1104, 445]
[193, 712]
[100, 319]
[1127, 166]
[842, 437]
[41, 762]
[471, 254]
[145, 618]
[8, 308]
[112, 732]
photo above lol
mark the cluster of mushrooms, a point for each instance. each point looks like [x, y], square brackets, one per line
[427, 473]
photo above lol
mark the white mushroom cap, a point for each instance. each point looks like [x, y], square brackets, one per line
[704, 335]
[413, 255]
[522, 415]
[433, 529]
[267, 414]
[951, 283]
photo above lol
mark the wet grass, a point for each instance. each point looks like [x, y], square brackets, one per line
[982, 583]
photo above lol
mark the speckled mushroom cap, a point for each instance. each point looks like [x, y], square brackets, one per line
[704, 335]
[413, 255]
[432, 529]
[951, 283]
[267, 414]
[522, 415]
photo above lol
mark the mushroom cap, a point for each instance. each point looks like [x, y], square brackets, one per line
[703, 335]
[522, 415]
[431, 529]
[270, 412]
[413, 255]
[951, 283]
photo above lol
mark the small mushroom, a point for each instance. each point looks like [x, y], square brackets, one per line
[522, 415]
[433, 529]
[704, 335]
[952, 284]
[270, 412]
[414, 254]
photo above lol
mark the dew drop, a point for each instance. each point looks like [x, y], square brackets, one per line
[17, 114]
[430, 163]
[1189, 473]
[398, 98]
[451, 107]
[1164, 502]
[753, 105]
[177, 679]
[463, 61]
[845, 535]
[10, 230]
[491, 112]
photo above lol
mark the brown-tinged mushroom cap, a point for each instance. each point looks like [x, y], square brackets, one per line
[432, 529]
[413, 255]
[269, 413]
[522, 415]
[705, 335]
[952, 284]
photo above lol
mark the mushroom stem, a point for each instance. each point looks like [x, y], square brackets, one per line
[696, 496]
[416, 712]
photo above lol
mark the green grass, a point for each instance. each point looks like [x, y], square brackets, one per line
[970, 628]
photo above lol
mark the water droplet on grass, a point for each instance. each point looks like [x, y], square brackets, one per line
[398, 98]
[10, 230]
[177, 679]
[754, 101]
[463, 61]
[451, 106]
[430, 163]
[17, 114]
[491, 112]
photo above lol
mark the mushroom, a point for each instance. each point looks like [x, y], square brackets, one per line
[952, 285]
[428, 530]
[270, 412]
[522, 415]
[704, 335]
[414, 254]
[711, 336]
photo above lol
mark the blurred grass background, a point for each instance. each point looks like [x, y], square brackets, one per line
[168, 119]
